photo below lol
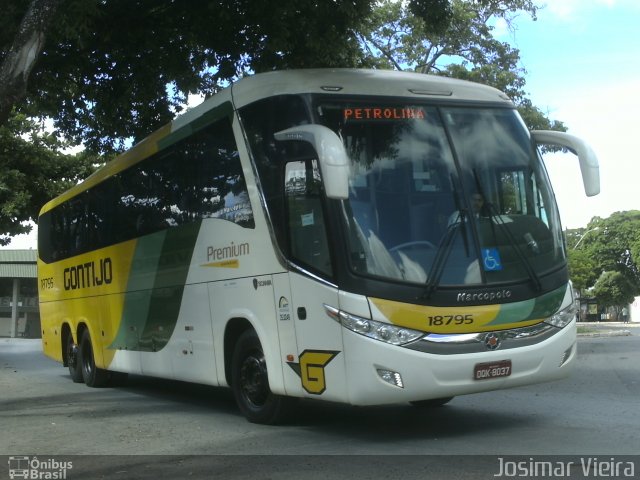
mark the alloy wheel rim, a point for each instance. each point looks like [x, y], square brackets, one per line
[253, 380]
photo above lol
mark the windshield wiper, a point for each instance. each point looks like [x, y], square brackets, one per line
[440, 259]
[445, 246]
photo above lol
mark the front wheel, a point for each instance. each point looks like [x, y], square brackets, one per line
[250, 383]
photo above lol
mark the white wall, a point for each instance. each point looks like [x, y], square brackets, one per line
[634, 310]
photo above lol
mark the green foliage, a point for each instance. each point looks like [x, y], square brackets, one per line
[33, 169]
[616, 244]
[583, 269]
[461, 44]
[606, 245]
[119, 69]
[613, 289]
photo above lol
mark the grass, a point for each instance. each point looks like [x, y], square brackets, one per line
[582, 329]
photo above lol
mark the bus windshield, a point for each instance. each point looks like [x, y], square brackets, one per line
[444, 195]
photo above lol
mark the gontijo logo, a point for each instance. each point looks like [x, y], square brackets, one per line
[88, 274]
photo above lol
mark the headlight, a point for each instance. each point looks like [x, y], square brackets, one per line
[563, 317]
[383, 332]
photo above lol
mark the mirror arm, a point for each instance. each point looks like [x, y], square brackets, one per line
[589, 165]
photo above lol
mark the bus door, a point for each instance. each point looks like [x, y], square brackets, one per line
[319, 361]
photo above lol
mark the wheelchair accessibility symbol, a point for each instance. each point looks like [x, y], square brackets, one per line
[491, 259]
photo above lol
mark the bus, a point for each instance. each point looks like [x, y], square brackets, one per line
[356, 236]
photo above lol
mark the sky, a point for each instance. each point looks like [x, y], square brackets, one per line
[582, 62]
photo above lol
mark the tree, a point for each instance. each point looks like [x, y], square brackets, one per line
[33, 169]
[606, 245]
[583, 269]
[461, 45]
[117, 69]
[613, 289]
[616, 244]
[19, 59]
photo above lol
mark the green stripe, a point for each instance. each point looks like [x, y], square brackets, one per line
[154, 292]
[538, 308]
[549, 303]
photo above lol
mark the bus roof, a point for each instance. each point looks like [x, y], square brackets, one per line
[361, 82]
[336, 81]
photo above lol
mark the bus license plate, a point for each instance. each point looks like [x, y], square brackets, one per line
[486, 371]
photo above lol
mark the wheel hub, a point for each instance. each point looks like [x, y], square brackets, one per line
[72, 355]
[253, 380]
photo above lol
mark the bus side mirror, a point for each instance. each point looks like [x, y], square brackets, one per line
[588, 160]
[333, 159]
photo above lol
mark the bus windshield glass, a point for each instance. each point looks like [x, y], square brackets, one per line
[444, 195]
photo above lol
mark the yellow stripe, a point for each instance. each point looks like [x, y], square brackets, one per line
[467, 319]
[70, 295]
[235, 263]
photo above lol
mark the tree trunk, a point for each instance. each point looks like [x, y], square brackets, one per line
[24, 52]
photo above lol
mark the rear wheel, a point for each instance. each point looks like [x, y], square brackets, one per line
[92, 375]
[250, 383]
[432, 403]
[73, 363]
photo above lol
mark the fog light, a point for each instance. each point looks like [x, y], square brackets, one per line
[389, 376]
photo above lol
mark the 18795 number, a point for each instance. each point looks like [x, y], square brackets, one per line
[439, 320]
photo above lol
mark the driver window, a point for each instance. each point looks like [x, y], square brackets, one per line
[307, 228]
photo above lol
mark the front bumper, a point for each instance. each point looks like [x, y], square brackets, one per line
[431, 369]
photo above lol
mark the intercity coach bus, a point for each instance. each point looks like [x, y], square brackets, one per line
[365, 237]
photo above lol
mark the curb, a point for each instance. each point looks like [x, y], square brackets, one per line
[610, 333]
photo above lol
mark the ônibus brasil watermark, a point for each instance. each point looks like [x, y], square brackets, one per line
[38, 468]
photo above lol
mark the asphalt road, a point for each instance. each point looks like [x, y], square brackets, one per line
[594, 414]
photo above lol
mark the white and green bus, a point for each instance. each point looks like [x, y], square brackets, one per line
[366, 237]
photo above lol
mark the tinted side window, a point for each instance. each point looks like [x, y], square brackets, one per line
[261, 120]
[195, 178]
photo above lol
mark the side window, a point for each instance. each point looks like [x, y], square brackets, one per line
[307, 227]
[260, 121]
[196, 178]
[222, 186]
[512, 191]
[199, 177]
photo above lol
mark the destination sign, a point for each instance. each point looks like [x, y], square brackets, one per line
[382, 113]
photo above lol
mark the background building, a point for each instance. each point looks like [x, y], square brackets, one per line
[19, 312]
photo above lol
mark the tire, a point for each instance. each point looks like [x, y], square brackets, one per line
[73, 360]
[432, 403]
[93, 376]
[250, 384]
